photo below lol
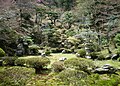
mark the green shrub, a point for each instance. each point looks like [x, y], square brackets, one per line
[82, 52]
[2, 52]
[92, 48]
[117, 39]
[79, 78]
[56, 50]
[101, 57]
[102, 80]
[58, 66]
[80, 46]
[20, 62]
[94, 55]
[34, 49]
[96, 47]
[118, 59]
[73, 40]
[15, 76]
[67, 51]
[118, 50]
[71, 77]
[97, 55]
[47, 52]
[38, 63]
[9, 61]
[79, 64]
[70, 32]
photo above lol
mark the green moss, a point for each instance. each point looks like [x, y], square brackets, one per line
[103, 80]
[15, 76]
[71, 77]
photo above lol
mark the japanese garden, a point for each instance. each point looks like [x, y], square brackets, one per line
[59, 42]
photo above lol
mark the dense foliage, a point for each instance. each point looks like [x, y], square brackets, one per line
[65, 42]
[15, 76]
[79, 64]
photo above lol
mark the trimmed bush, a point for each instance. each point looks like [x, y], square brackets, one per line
[2, 52]
[34, 49]
[58, 66]
[79, 64]
[101, 57]
[15, 76]
[94, 55]
[97, 55]
[67, 51]
[102, 80]
[20, 62]
[81, 52]
[71, 77]
[8, 61]
[47, 52]
[117, 39]
[56, 50]
[38, 63]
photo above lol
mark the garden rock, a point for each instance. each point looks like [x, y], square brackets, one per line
[108, 57]
[20, 50]
[88, 57]
[115, 57]
[77, 54]
[112, 56]
[105, 69]
[19, 53]
[43, 54]
[64, 51]
[62, 59]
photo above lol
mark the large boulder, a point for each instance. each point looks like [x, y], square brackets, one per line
[108, 57]
[19, 52]
[112, 56]
[105, 69]
[115, 57]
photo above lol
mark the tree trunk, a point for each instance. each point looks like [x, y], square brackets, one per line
[38, 70]
[36, 17]
[20, 18]
[109, 51]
